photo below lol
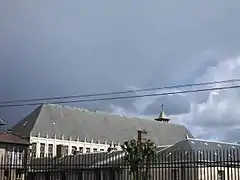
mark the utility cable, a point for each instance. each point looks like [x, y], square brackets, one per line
[126, 97]
[118, 92]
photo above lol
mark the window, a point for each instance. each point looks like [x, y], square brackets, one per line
[221, 175]
[34, 149]
[74, 149]
[101, 149]
[87, 150]
[94, 149]
[50, 150]
[42, 149]
[81, 149]
[65, 152]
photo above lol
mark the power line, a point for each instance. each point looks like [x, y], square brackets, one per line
[118, 92]
[127, 97]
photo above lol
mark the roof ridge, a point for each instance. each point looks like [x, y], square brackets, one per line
[213, 141]
[17, 129]
[85, 110]
[39, 111]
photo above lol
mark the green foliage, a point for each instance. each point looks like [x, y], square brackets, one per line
[138, 155]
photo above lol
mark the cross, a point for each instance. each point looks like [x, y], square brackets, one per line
[162, 107]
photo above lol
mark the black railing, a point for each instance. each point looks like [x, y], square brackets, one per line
[178, 165]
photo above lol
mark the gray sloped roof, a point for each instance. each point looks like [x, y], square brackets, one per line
[201, 150]
[62, 120]
[77, 162]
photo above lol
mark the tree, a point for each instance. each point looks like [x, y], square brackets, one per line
[138, 155]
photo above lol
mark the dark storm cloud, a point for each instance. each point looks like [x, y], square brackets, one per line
[52, 48]
[172, 105]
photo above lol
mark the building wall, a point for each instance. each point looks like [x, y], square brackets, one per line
[11, 160]
[16, 152]
[48, 142]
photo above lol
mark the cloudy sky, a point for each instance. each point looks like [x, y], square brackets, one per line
[56, 48]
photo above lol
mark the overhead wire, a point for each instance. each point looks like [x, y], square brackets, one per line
[117, 92]
[126, 97]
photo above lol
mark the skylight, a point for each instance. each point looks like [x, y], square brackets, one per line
[25, 123]
[169, 154]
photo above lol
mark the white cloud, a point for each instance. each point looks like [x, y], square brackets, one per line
[217, 116]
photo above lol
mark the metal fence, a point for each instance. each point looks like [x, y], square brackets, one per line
[178, 165]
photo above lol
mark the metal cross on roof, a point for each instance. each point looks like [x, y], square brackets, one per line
[162, 107]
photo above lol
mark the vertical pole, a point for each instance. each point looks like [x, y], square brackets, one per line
[139, 142]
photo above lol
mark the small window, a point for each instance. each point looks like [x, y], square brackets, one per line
[87, 150]
[65, 150]
[74, 149]
[34, 149]
[50, 150]
[42, 150]
[81, 149]
[94, 149]
[221, 175]
[101, 149]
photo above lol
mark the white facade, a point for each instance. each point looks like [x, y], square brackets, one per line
[44, 146]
